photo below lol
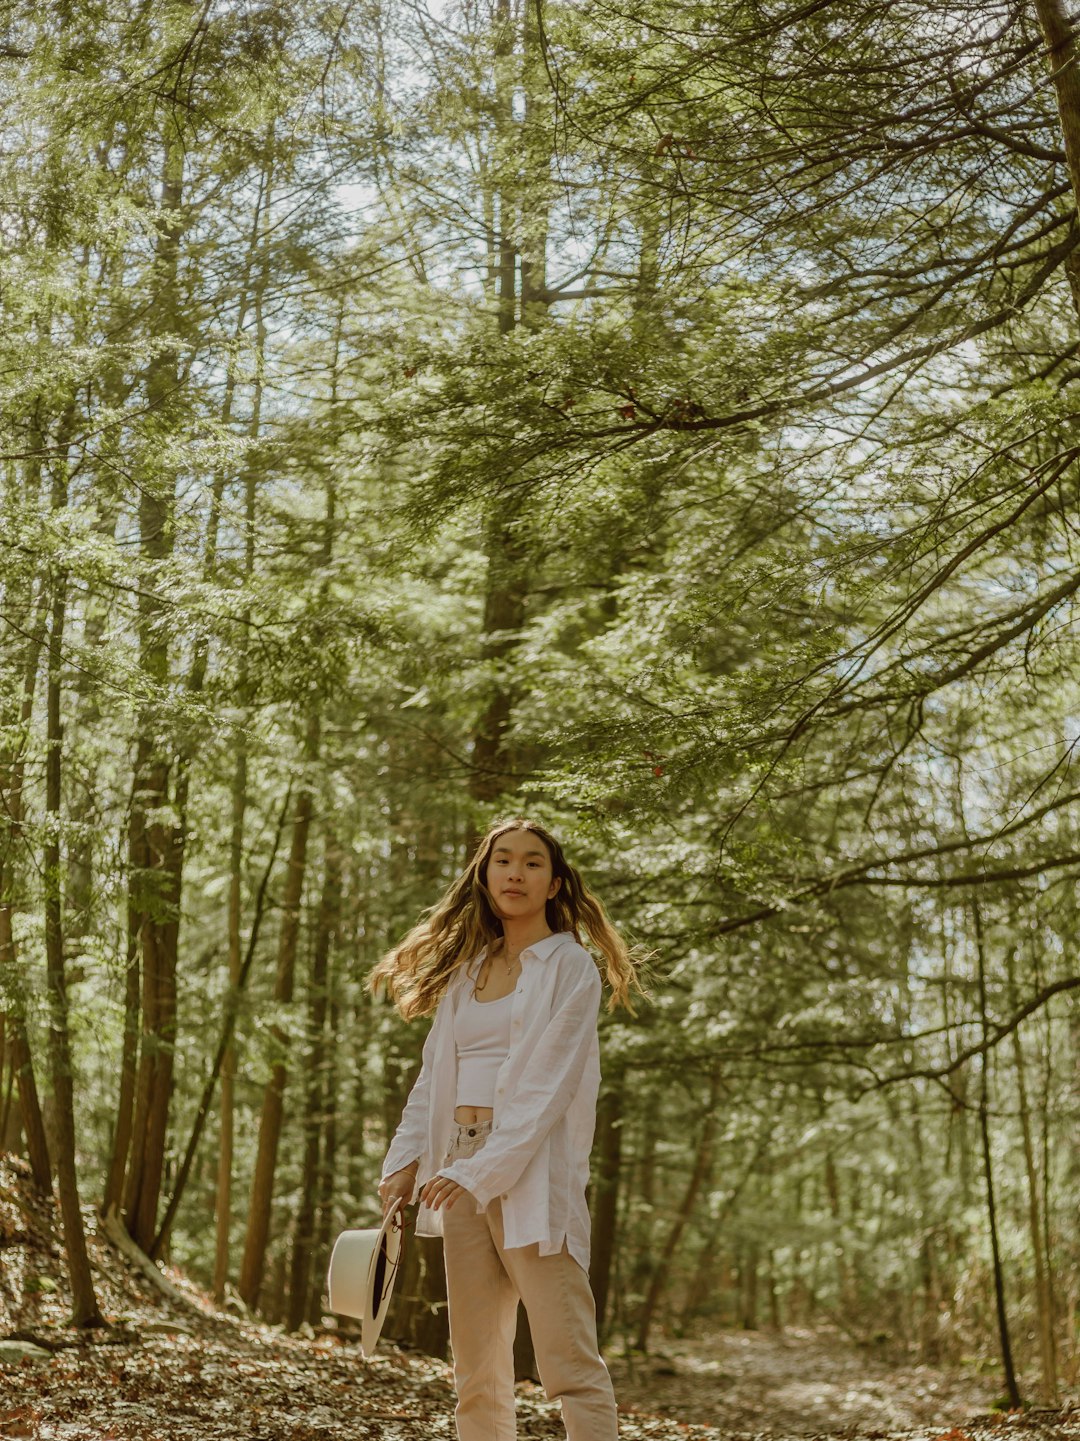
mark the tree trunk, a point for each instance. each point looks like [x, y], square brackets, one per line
[85, 1308]
[83, 806]
[534, 216]
[304, 1240]
[274, 1289]
[605, 1195]
[236, 837]
[156, 844]
[418, 1311]
[843, 1268]
[776, 1318]
[1059, 32]
[7, 1081]
[927, 1271]
[129, 1056]
[223, 1206]
[324, 1228]
[22, 1068]
[505, 82]
[1043, 1299]
[11, 809]
[1011, 1387]
[1046, 1107]
[749, 1262]
[702, 1282]
[359, 1102]
[505, 590]
[273, 1107]
[236, 849]
[157, 857]
[232, 1005]
[662, 1268]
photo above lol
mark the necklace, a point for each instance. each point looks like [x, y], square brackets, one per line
[509, 959]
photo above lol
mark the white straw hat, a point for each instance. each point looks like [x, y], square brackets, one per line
[363, 1266]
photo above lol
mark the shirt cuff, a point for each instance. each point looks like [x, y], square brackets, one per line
[459, 1171]
[392, 1170]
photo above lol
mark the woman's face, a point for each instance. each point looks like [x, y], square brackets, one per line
[519, 876]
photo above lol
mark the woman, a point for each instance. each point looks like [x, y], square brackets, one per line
[496, 1133]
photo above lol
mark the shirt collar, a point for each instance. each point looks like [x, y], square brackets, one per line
[540, 950]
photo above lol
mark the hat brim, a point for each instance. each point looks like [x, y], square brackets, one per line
[363, 1268]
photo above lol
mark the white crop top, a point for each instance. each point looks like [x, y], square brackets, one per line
[482, 1037]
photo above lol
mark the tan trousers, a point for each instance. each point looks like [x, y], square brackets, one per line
[483, 1283]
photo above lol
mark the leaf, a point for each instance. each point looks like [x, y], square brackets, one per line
[22, 1421]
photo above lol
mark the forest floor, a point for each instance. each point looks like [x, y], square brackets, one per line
[173, 1368]
[799, 1382]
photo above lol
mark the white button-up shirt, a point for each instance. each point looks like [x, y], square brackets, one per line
[537, 1155]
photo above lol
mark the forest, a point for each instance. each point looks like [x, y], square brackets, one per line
[654, 420]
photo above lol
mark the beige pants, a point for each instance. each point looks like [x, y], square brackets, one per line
[483, 1283]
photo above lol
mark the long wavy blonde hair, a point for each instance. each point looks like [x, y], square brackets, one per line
[417, 971]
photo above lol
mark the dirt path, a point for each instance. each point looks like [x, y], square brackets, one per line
[795, 1383]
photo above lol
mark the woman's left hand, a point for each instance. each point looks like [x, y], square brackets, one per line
[440, 1190]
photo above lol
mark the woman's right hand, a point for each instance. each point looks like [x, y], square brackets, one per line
[397, 1187]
